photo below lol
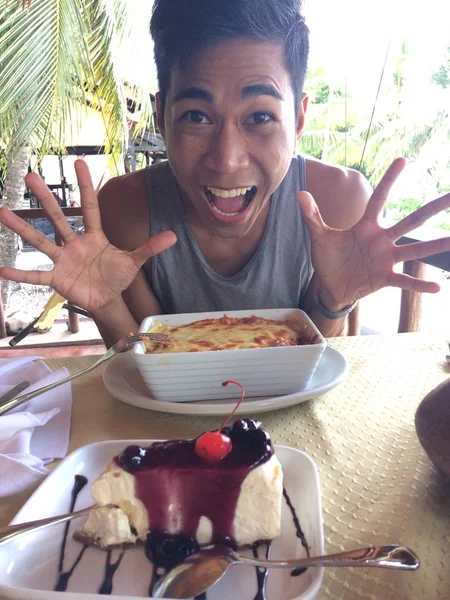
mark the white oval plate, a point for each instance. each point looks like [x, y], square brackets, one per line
[123, 380]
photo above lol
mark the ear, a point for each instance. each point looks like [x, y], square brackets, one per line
[160, 113]
[302, 115]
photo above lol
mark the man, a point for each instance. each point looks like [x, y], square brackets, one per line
[235, 221]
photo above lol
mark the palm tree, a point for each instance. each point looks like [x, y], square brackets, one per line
[57, 57]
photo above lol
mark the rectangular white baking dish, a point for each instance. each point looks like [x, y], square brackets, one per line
[190, 376]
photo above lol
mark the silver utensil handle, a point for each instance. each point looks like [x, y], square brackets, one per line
[15, 402]
[389, 557]
[14, 391]
[122, 345]
[12, 531]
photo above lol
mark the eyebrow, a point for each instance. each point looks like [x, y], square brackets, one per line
[260, 89]
[194, 93]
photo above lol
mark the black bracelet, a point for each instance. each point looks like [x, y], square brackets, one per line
[332, 315]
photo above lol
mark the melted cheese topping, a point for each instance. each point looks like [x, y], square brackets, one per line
[228, 333]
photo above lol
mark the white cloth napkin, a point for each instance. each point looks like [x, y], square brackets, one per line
[35, 433]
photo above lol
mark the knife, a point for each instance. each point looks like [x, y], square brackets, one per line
[14, 391]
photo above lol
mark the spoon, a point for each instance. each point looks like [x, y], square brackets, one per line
[204, 568]
[121, 346]
[12, 531]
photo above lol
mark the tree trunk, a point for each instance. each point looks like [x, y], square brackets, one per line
[12, 198]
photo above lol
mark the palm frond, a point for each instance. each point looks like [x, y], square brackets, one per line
[44, 64]
[59, 55]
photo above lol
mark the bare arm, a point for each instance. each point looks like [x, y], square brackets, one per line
[352, 263]
[342, 196]
[88, 270]
[125, 221]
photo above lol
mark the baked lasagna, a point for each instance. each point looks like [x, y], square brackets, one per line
[229, 333]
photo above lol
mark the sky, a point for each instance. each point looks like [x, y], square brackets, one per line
[350, 38]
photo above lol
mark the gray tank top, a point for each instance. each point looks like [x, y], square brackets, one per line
[276, 276]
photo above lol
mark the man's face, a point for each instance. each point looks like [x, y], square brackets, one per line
[230, 130]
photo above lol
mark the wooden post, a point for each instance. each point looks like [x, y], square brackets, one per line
[353, 322]
[411, 302]
[2, 318]
[73, 322]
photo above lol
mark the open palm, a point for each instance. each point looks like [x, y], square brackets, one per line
[88, 270]
[355, 262]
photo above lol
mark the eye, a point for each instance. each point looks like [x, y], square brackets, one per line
[195, 116]
[259, 118]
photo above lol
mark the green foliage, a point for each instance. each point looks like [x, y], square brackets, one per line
[318, 89]
[406, 206]
[441, 77]
[322, 94]
[58, 57]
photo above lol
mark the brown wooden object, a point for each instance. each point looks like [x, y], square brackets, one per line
[73, 321]
[2, 317]
[353, 322]
[411, 302]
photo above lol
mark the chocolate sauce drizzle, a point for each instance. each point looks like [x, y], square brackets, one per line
[64, 576]
[261, 572]
[110, 569]
[299, 533]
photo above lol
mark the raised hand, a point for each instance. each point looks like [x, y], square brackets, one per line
[88, 270]
[355, 262]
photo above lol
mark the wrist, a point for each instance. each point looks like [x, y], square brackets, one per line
[109, 309]
[330, 308]
[114, 321]
[329, 302]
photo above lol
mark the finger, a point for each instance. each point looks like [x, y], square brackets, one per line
[380, 194]
[412, 284]
[153, 246]
[89, 203]
[30, 234]
[312, 216]
[419, 217]
[34, 277]
[50, 206]
[419, 250]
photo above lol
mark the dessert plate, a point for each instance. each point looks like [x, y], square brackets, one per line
[29, 564]
[123, 380]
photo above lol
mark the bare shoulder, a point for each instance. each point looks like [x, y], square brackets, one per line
[341, 193]
[124, 210]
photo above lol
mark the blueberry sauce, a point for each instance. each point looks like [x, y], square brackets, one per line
[168, 470]
[63, 577]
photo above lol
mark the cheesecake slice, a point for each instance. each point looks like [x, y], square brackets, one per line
[167, 491]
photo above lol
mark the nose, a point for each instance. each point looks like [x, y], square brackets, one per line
[227, 151]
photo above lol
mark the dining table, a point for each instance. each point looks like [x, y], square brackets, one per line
[378, 486]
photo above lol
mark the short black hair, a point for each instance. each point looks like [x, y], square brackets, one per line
[180, 27]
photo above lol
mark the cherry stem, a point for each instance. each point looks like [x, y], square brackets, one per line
[225, 383]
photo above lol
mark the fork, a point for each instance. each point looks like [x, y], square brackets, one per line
[122, 345]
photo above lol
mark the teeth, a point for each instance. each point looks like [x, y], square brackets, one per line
[224, 213]
[229, 193]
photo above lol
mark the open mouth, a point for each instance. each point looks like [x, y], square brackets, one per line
[230, 203]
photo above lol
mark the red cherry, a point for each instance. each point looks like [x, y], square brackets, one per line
[212, 446]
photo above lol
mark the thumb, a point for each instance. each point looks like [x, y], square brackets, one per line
[153, 246]
[311, 214]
